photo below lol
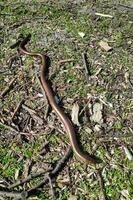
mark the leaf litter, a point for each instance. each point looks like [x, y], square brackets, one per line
[106, 82]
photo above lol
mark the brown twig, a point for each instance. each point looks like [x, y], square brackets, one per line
[33, 113]
[27, 179]
[27, 121]
[81, 112]
[7, 88]
[101, 182]
[17, 109]
[44, 148]
[14, 194]
[66, 60]
[11, 60]
[51, 187]
[50, 175]
[12, 129]
[86, 65]
[9, 127]
[95, 147]
[20, 87]
[54, 173]
[130, 83]
[113, 135]
[125, 6]
[70, 179]
[128, 79]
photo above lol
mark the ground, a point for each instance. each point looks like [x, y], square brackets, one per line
[33, 141]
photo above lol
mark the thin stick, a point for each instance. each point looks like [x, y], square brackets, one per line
[26, 123]
[11, 60]
[61, 163]
[33, 113]
[14, 130]
[8, 127]
[54, 173]
[101, 182]
[104, 15]
[125, 6]
[7, 88]
[86, 65]
[17, 109]
[51, 186]
[130, 83]
[83, 109]
[114, 135]
[27, 179]
[14, 194]
[66, 60]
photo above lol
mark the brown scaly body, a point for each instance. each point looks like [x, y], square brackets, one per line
[64, 119]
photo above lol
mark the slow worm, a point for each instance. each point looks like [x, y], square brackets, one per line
[85, 157]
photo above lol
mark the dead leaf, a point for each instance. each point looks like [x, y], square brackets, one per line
[81, 34]
[73, 197]
[97, 113]
[126, 77]
[40, 95]
[3, 183]
[97, 128]
[20, 75]
[125, 193]
[75, 114]
[128, 153]
[105, 45]
[88, 130]
[16, 174]
[26, 167]
[129, 42]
